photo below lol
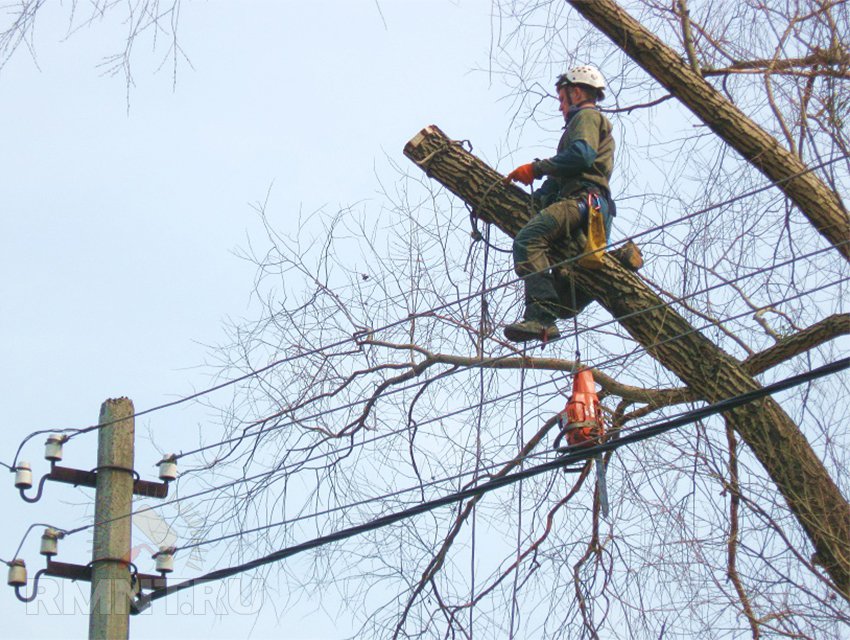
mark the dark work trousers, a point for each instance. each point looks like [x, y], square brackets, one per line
[549, 228]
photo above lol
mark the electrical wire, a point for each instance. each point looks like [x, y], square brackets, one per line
[321, 456]
[360, 503]
[495, 359]
[686, 415]
[300, 464]
[499, 482]
[29, 530]
[253, 373]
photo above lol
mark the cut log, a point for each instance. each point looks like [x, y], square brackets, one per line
[628, 255]
[711, 373]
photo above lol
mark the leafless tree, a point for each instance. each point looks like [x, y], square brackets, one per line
[392, 384]
[22, 23]
[419, 386]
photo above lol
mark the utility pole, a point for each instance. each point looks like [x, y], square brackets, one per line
[114, 590]
[110, 578]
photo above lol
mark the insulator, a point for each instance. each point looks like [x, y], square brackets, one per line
[53, 448]
[165, 560]
[50, 542]
[17, 573]
[23, 476]
[168, 468]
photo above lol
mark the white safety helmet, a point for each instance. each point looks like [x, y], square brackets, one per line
[585, 75]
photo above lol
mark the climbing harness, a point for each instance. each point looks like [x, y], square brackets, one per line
[596, 241]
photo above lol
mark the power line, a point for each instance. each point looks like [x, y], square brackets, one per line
[253, 373]
[29, 530]
[295, 465]
[495, 359]
[381, 498]
[496, 483]
[351, 505]
[301, 463]
[430, 420]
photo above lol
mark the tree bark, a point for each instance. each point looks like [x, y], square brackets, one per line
[820, 204]
[822, 331]
[706, 369]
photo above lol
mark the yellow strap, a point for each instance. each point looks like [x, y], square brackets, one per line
[595, 247]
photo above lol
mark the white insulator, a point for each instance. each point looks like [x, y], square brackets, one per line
[53, 448]
[165, 560]
[23, 476]
[50, 542]
[17, 573]
[168, 468]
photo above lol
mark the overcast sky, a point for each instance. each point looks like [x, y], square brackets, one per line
[124, 212]
[120, 224]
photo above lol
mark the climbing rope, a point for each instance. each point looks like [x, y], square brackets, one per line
[575, 319]
[425, 163]
[473, 221]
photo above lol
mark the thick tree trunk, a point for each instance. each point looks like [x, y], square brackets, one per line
[820, 204]
[708, 371]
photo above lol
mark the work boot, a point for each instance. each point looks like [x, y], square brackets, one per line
[527, 330]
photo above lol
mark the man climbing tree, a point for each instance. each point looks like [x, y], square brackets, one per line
[577, 183]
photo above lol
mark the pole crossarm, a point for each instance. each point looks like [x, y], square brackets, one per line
[710, 373]
[81, 478]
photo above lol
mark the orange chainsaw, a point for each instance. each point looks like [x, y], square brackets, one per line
[582, 425]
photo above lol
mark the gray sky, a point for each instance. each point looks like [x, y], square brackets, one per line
[119, 227]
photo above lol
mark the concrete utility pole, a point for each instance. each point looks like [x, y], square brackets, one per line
[110, 591]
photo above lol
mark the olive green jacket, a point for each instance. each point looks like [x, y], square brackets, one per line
[585, 157]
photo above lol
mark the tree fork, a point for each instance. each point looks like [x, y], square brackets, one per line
[706, 369]
[820, 204]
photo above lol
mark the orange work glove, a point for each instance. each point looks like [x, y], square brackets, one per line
[523, 173]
